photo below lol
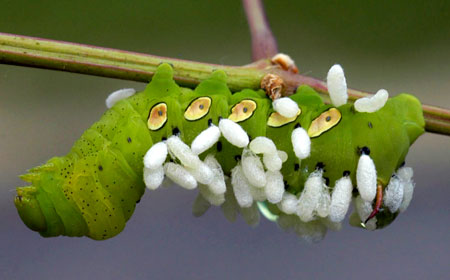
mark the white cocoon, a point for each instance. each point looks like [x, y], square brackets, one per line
[241, 187]
[373, 103]
[205, 140]
[179, 175]
[288, 203]
[366, 178]
[272, 162]
[283, 155]
[183, 152]
[251, 215]
[202, 173]
[234, 133]
[337, 86]
[323, 208]
[153, 178]
[274, 187]
[405, 174]
[263, 145]
[217, 186]
[118, 95]
[200, 206]
[364, 209]
[214, 199]
[393, 195]
[156, 155]
[311, 194]
[340, 199]
[253, 169]
[301, 143]
[286, 107]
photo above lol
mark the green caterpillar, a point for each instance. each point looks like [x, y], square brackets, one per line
[93, 190]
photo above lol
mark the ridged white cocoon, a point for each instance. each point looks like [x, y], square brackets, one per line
[288, 203]
[153, 178]
[205, 140]
[364, 209]
[241, 187]
[366, 178]
[183, 152]
[286, 107]
[262, 145]
[217, 186]
[337, 86]
[118, 95]
[340, 199]
[214, 199]
[230, 207]
[180, 176]
[283, 155]
[202, 174]
[405, 174]
[373, 103]
[251, 215]
[156, 155]
[253, 169]
[200, 206]
[301, 143]
[234, 133]
[272, 162]
[393, 195]
[258, 194]
[323, 208]
[312, 232]
[310, 197]
[274, 187]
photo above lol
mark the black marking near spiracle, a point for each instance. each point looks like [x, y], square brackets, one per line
[138, 201]
[219, 146]
[286, 186]
[296, 167]
[320, 166]
[129, 139]
[370, 125]
[163, 138]
[175, 131]
[297, 125]
[403, 164]
[210, 122]
[346, 173]
[100, 168]
[237, 157]
[327, 181]
[365, 151]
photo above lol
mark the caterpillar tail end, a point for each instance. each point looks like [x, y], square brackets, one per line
[29, 209]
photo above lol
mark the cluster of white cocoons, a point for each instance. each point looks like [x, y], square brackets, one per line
[373, 103]
[118, 95]
[286, 107]
[399, 192]
[337, 86]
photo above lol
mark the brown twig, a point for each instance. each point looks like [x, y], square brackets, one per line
[91, 60]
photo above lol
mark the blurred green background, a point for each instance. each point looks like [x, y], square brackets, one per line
[402, 46]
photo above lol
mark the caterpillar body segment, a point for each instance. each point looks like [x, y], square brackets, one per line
[93, 190]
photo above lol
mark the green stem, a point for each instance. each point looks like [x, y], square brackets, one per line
[91, 60]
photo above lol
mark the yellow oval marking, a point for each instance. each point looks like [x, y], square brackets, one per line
[277, 120]
[197, 109]
[157, 116]
[324, 122]
[242, 110]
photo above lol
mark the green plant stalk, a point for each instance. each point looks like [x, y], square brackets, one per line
[91, 60]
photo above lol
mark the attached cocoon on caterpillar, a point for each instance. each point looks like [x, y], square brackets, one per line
[201, 137]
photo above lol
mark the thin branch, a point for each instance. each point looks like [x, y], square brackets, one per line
[91, 60]
[264, 44]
